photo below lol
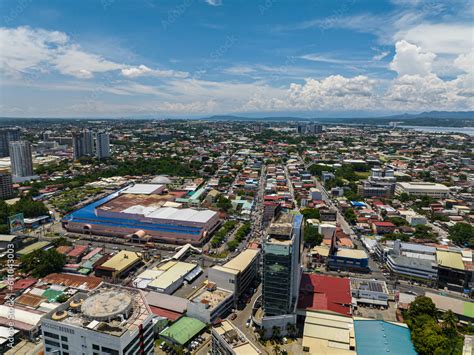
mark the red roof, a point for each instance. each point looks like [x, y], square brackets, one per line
[327, 293]
[77, 251]
[172, 316]
[24, 284]
[384, 224]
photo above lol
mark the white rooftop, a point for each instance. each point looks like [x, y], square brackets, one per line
[142, 189]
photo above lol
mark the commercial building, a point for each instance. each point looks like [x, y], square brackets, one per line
[210, 303]
[418, 188]
[119, 264]
[329, 334]
[168, 277]
[381, 337]
[282, 270]
[102, 145]
[8, 135]
[109, 320]
[348, 259]
[237, 274]
[464, 310]
[6, 186]
[227, 339]
[327, 294]
[181, 332]
[369, 291]
[21, 159]
[139, 211]
[452, 273]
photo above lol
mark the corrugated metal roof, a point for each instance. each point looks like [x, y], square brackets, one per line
[450, 259]
[122, 260]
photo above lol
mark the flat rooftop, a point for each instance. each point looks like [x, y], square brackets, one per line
[237, 341]
[242, 260]
[212, 298]
[110, 309]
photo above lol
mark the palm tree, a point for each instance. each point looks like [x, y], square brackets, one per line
[291, 329]
[275, 332]
[450, 322]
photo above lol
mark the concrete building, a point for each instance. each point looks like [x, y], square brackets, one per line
[210, 303]
[102, 145]
[282, 271]
[109, 320]
[227, 339]
[6, 186]
[8, 135]
[83, 144]
[326, 333]
[171, 275]
[417, 269]
[21, 159]
[119, 265]
[139, 212]
[422, 189]
[237, 274]
[366, 291]
[452, 273]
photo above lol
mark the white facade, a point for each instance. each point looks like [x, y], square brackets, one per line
[72, 330]
[102, 145]
[423, 189]
[21, 159]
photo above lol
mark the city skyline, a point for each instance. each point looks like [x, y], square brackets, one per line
[124, 59]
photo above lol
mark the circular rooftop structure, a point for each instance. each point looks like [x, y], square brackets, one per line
[107, 305]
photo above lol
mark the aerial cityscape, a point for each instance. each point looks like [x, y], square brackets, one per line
[232, 177]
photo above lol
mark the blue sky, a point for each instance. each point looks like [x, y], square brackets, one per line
[117, 58]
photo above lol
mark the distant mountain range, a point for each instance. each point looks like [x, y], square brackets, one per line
[432, 118]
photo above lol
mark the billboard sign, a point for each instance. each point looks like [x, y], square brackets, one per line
[16, 222]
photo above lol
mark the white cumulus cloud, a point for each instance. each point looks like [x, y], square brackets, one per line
[409, 59]
[143, 70]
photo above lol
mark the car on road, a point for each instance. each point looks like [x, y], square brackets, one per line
[233, 316]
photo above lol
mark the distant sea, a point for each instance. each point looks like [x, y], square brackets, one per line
[433, 129]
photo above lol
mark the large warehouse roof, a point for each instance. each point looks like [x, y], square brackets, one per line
[185, 214]
[143, 189]
[122, 260]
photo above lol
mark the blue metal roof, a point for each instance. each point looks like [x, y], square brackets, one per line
[380, 337]
[87, 215]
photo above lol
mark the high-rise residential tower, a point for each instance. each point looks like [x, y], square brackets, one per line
[6, 186]
[8, 135]
[21, 159]
[102, 145]
[83, 144]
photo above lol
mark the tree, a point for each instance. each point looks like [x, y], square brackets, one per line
[310, 213]
[276, 332]
[350, 215]
[422, 305]
[224, 204]
[41, 263]
[312, 236]
[462, 234]
[450, 322]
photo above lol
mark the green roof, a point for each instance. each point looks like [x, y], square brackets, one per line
[51, 295]
[183, 330]
[32, 247]
[469, 309]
